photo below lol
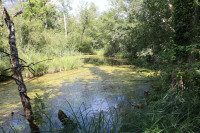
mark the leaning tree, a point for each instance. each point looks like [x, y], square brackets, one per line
[17, 67]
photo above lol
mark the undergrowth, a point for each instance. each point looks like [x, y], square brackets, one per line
[166, 113]
[173, 100]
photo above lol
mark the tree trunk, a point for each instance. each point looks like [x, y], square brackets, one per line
[22, 4]
[81, 38]
[197, 14]
[18, 71]
[21, 39]
[65, 24]
[46, 25]
[183, 24]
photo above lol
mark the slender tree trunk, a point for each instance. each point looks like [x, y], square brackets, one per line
[197, 14]
[170, 4]
[18, 71]
[65, 24]
[22, 4]
[46, 25]
[21, 39]
[183, 19]
[81, 38]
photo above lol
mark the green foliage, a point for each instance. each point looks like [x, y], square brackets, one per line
[30, 34]
[99, 52]
[4, 64]
[35, 8]
[86, 47]
[184, 12]
[108, 51]
[174, 97]
[171, 113]
[42, 65]
[38, 109]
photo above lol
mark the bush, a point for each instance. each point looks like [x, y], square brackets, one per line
[86, 47]
[108, 51]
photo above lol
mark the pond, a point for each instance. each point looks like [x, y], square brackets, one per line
[100, 85]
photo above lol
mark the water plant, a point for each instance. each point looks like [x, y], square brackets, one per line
[80, 119]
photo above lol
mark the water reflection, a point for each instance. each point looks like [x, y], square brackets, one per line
[102, 84]
[106, 61]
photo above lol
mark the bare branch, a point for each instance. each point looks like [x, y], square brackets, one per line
[168, 25]
[6, 16]
[7, 54]
[30, 69]
[10, 77]
[17, 13]
[40, 61]
[23, 66]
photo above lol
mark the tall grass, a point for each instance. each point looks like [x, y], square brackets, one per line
[42, 63]
[99, 52]
[168, 114]
[89, 121]
[85, 120]
[4, 64]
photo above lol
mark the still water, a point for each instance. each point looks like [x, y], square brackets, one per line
[100, 85]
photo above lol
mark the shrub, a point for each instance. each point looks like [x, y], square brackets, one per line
[86, 47]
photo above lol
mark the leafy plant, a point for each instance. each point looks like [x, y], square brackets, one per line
[38, 109]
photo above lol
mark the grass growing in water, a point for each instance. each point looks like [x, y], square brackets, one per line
[84, 119]
[88, 121]
[95, 122]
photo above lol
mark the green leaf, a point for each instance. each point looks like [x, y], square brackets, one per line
[198, 72]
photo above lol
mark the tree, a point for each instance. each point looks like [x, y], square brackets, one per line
[115, 28]
[17, 69]
[40, 10]
[183, 21]
[38, 16]
[86, 15]
[64, 9]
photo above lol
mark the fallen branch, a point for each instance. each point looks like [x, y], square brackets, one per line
[66, 121]
[139, 106]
